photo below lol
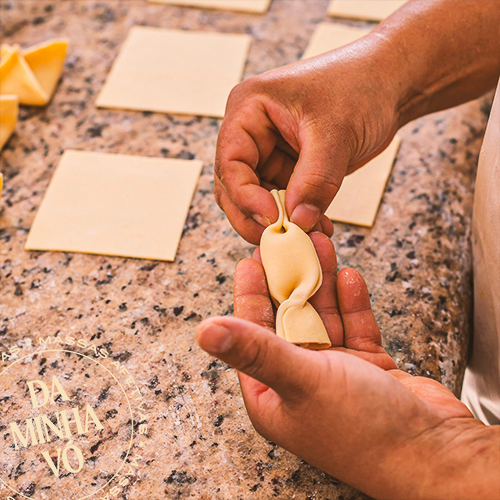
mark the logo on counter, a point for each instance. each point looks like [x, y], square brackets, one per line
[72, 421]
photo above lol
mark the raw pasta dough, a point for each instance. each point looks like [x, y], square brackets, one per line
[330, 36]
[257, 6]
[371, 10]
[113, 204]
[32, 74]
[293, 273]
[175, 71]
[9, 105]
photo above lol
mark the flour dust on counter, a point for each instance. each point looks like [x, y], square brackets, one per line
[173, 71]
[110, 204]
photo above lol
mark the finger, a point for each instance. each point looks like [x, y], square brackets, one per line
[361, 331]
[252, 303]
[251, 296]
[246, 139]
[325, 299]
[245, 226]
[324, 225]
[287, 369]
[317, 177]
[278, 168]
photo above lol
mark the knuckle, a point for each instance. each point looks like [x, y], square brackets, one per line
[317, 184]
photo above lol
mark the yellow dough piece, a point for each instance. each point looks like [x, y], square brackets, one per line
[293, 274]
[17, 78]
[9, 106]
[175, 71]
[256, 6]
[34, 73]
[370, 10]
[46, 60]
[115, 204]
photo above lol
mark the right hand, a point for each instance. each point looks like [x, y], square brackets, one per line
[303, 127]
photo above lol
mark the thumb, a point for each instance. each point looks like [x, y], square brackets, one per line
[316, 178]
[260, 354]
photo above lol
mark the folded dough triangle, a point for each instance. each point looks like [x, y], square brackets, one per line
[17, 78]
[32, 74]
[46, 60]
[293, 274]
[9, 106]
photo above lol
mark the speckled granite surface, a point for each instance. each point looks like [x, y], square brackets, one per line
[198, 442]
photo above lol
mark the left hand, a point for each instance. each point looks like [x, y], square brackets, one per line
[348, 410]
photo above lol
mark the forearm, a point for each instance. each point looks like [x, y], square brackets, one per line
[444, 53]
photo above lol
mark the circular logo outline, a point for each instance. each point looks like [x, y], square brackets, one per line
[128, 403]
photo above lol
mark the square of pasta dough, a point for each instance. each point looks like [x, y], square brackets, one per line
[359, 196]
[174, 71]
[369, 10]
[254, 6]
[329, 36]
[113, 204]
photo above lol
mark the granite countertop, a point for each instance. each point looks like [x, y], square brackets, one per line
[199, 442]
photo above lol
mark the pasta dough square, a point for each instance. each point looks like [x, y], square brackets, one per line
[112, 204]
[173, 71]
[360, 194]
[329, 36]
[369, 10]
[254, 6]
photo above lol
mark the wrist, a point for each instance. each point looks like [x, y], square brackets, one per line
[457, 460]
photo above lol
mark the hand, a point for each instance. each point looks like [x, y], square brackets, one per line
[348, 410]
[303, 127]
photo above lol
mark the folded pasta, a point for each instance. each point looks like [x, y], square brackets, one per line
[293, 274]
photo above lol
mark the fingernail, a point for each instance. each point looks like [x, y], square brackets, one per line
[306, 216]
[216, 339]
[261, 219]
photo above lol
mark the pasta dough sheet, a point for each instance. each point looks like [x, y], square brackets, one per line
[370, 10]
[254, 6]
[293, 274]
[172, 71]
[112, 204]
[360, 194]
[329, 36]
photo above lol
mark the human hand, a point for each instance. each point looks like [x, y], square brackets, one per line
[303, 127]
[348, 410]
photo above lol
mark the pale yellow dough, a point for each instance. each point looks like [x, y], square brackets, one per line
[370, 10]
[360, 194]
[32, 74]
[329, 36]
[293, 274]
[254, 6]
[9, 107]
[172, 71]
[112, 204]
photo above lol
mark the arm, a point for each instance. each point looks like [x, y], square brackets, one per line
[305, 126]
[447, 52]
